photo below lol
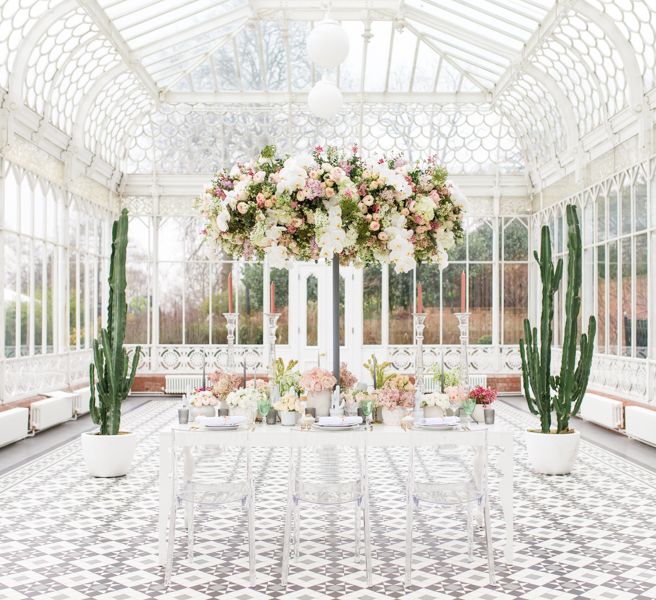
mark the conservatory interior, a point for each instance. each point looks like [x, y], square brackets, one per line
[327, 299]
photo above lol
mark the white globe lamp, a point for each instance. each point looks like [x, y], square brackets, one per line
[328, 44]
[325, 99]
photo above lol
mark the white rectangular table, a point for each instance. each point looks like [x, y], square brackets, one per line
[277, 436]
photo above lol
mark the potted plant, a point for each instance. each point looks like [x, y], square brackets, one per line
[552, 450]
[395, 397]
[483, 397]
[288, 407]
[109, 451]
[435, 404]
[318, 384]
[202, 403]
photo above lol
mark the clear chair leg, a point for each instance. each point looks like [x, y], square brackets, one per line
[366, 524]
[488, 542]
[408, 541]
[297, 532]
[171, 546]
[470, 531]
[251, 540]
[288, 521]
[190, 536]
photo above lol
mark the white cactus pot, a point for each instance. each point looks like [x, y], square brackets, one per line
[108, 455]
[552, 453]
[288, 417]
[320, 401]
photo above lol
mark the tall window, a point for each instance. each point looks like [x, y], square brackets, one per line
[514, 278]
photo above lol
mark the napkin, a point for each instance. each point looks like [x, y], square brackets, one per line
[340, 420]
[221, 421]
[440, 421]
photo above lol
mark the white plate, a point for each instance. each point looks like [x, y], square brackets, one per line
[336, 427]
[444, 427]
[220, 427]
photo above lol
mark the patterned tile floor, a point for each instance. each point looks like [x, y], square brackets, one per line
[64, 535]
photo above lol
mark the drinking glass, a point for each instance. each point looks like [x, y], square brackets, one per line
[263, 407]
[467, 407]
[367, 407]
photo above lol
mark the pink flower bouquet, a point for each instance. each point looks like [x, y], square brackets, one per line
[397, 391]
[317, 380]
[457, 394]
[346, 379]
[223, 383]
[483, 395]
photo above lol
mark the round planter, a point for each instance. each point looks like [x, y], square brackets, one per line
[478, 415]
[320, 401]
[108, 455]
[432, 412]
[288, 418]
[201, 411]
[393, 417]
[552, 453]
[249, 413]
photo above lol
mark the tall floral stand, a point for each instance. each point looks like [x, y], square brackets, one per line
[419, 324]
[272, 326]
[231, 325]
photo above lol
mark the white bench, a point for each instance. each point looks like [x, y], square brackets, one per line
[602, 411]
[13, 425]
[641, 424]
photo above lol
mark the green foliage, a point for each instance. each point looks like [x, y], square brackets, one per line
[109, 379]
[378, 371]
[286, 376]
[445, 378]
[562, 393]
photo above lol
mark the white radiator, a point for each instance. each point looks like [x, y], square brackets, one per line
[81, 402]
[181, 384]
[475, 380]
[51, 411]
[13, 425]
[640, 424]
[430, 384]
[603, 411]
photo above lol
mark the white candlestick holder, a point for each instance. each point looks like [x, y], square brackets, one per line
[272, 326]
[463, 327]
[419, 325]
[231, 324]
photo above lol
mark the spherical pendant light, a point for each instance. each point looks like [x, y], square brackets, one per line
[328, 44]
[325, 99]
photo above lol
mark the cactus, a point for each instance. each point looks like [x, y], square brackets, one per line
[108, 374]
[562, 393]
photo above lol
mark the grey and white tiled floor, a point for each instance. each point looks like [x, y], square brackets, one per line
[64, 535]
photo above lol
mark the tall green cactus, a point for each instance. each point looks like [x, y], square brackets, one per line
[562, 393]
[108, 374]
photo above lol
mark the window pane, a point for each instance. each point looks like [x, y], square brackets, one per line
[39, 259]
[281, 279]
[11, 294]
[372, 305]
[220, 272]
[451, 294]
[626, 208]
[612, 214]
[72, 298]
[515, 240]
[627, 312]
[171, 280]
[601, 219]
[138, 301]
[11, 202]
[312, 314]
[612, 303]
[515, 302]
[640, 206]
[50, 293]
[197, 303]
[588, 224]
[171, 238]
[400, 307]
[480, 240]
[480, 303]
[429, 277]
[642, 296]
[26, 207]
[251, 323]
[601, 299]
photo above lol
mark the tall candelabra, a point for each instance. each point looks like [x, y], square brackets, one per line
[419, 323]
[272, 321]
[231, 324]
[463, 326]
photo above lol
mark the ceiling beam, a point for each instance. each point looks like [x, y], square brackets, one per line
[103, 22]
[270, 98]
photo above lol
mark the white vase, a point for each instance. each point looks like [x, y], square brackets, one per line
[249, 413]
[478, 415]
[393, 417]
[431, 412]
[552, 453]
[201, 411]
[108, 455]
[320, 401]
[288, 417]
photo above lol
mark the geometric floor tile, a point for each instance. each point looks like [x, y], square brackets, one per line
[67, 536]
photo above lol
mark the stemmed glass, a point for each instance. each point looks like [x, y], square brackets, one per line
[468, 407]
[367, 407]
[263, 407]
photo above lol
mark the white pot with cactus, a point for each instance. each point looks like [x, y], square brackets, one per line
[552, 450]
[108, 452]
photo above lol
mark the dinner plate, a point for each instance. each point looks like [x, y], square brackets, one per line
[229, 427]
[336, 427]
[443, 427]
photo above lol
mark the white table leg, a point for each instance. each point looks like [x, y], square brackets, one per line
[506, 496]
[165, 483]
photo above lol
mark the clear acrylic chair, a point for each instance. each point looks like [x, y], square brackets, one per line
[446, 472]
[330, 470]
[214, 476]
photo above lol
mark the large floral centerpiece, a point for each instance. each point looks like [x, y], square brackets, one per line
[312, 206]
[397, 394]
[202, 402]
[318, 383]
[223, 383]
[435, 404]
[244, 401]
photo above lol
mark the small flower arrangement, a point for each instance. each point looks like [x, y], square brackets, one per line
[245, 398]
[483, 395]
[346, 379]
[457, 394]
[223, 383]
[435, 399]
[397, 392]
[317, 380]
[203, 397]
[289, 402]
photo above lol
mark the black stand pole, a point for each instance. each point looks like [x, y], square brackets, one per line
[336, 317]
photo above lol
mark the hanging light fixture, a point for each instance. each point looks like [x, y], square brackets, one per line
[325, 99]
[328, 44]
